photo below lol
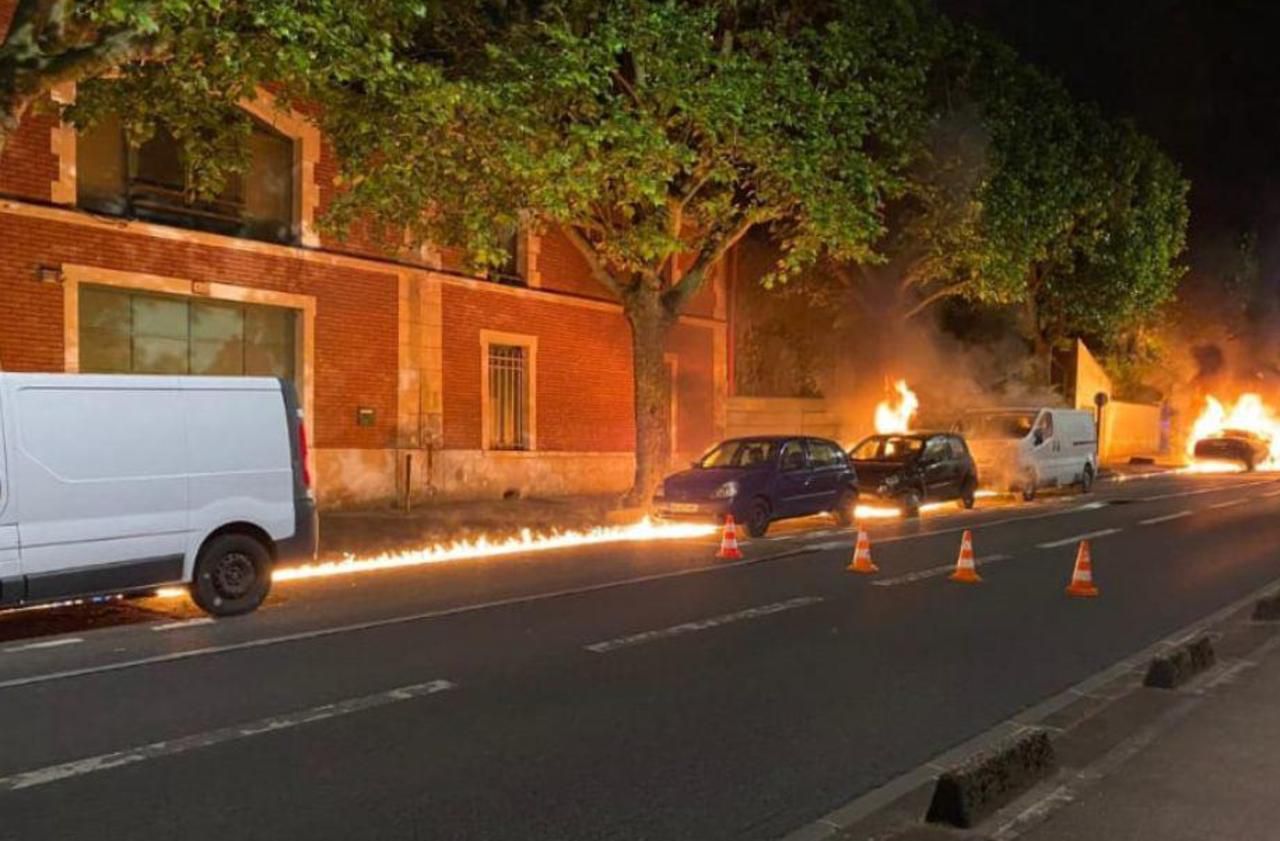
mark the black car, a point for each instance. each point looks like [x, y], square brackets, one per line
[1248, 448]
[910, 468]
[762, 479]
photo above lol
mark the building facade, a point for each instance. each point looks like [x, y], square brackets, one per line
[417, 378]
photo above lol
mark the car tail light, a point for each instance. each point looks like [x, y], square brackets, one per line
[304, 453]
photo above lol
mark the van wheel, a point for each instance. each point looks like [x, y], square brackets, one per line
[232, 576]
[846, 509]
[758, 518]
[1086, 479]
[1028, 487]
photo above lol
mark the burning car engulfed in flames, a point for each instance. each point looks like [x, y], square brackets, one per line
[1247, 434]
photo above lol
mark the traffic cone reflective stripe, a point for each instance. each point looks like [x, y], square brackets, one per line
[729, 550]
[966, 572]
[862, 555]
[1082, 576]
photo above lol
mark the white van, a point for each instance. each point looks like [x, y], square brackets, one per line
[1028, 449]
[121, 484]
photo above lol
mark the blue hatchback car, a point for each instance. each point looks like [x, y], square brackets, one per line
[760, 480]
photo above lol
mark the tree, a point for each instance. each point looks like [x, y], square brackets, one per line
[186, 64]
[655, 135]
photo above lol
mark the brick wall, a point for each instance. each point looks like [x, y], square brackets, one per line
[584, 381]
[356, 315]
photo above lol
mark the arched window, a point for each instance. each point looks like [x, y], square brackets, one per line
[149, 182]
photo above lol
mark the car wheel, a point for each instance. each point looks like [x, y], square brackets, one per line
[1248, 465]
[232, 575]
[758, 518]
[1086, 479]
[968, 493]
[1028, 487]
[846, 509]
[911, 504]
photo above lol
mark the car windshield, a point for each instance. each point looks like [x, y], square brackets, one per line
[988, 425]
[744, 453]
[887, 448]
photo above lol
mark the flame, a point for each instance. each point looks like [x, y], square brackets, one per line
[1248, 413]
[892, 418]
[483, 547]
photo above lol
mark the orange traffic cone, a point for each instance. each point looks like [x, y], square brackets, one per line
[729, 550]
[966, 572]
[1082, 577]
[862, 555]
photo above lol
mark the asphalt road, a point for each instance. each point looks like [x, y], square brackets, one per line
[620, 692]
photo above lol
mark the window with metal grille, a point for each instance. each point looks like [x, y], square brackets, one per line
[508, 397]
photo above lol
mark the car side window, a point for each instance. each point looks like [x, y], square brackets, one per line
[958, 450]
[1045, 426]
[824, 454]
[937, 450]
[792, 457]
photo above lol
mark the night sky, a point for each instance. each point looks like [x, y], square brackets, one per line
[1202, 77]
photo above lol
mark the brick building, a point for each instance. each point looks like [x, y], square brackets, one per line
[413, 374]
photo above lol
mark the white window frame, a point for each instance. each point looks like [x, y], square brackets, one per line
[488, 338]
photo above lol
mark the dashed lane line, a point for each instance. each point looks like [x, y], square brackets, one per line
[184, 744]
[1228, 503]
[701, 624]
[184, 623]
[54, 643]
[934, 572]
[1166, 518]
[1089, 535]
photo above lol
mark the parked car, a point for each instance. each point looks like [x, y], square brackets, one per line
[1248, 448]
[761, 480]
[910, 468]
[122, 484]
[1024, 450]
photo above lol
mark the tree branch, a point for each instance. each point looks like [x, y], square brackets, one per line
[598, 270]
[713, 249]
[944, 292]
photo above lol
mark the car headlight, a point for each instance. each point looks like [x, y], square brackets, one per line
[726, 491]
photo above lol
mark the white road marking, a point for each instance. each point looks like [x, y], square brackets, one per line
[184, 623]
[702, 624]
[1091, 535]
[1269, 495]
[58, 643]
[934, 572]
[1166, 518]
[183, 744]
[1227, 503]
[1226, 486]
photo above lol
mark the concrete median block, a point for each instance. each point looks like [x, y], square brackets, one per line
[969, 792]
[1169, 671]
[1267, 610]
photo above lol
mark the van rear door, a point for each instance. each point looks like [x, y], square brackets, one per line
[10, 579]
[101, 462]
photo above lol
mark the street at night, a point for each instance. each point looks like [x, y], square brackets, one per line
[621, 692]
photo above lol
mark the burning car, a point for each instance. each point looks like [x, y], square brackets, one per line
[910, 468]
[1242, 445]
[760, 480]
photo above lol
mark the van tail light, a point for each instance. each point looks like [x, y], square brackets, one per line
[304, 453]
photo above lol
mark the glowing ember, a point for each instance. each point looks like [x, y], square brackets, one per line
[1248, 413]
[895, 416]
[527, 541]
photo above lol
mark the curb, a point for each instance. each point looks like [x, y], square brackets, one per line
[1267, 610]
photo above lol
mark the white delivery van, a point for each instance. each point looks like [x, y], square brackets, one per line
[1028, 449]
[121, 484]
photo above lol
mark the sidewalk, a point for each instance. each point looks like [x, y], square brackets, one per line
[386, 529]
[1212, 775]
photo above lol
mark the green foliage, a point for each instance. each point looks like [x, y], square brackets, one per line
[652, 129]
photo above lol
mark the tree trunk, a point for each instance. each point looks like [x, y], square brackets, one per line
[650, 323]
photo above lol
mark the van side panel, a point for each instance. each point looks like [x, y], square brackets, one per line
[12, 588]
[102, 470]
[240, 460]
